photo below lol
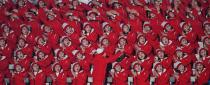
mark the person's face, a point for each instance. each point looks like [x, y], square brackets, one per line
[41, 41]
[41, 55]
[158, 2]
[75, 2]
[131, 16]
[57, 68]
[88, 28]
[117, 5]
[171, 14]
[85, 42]
[21, 43]
[6, 29]
[80, 56]
[118, 68]
[35, 67]
[165, 40]
[187, 28]
[181, 68]
[61, 54]
[77, 68]
[2, 42]
[159, 68]
[20, 55]
[105, 42]
[125, 28]
[47, 29]
[147, 28]
[25, 30]
[122, 42]
[142, 40]
[41, 4]
[107, 28]
[207, 41]
[203, 53]
[66, 42]
[184, 42]
[69, 30]
[51, 17]
[179, 53]
[160, 54]
[18, 68]
[207, 28]
[141, 55]
[168, 27]
[199, 67]
[92, 16]
[137, 68]
[21, 3]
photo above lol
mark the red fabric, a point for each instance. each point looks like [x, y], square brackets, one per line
[18, 78]
[120, 78]
[80, 79]
[39, 79]
[60, 79]
[184, 78]
[142, 78]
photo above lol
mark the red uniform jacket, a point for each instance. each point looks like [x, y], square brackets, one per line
[39, 78]
[184, 78]
[142, 78]
[18, 78]
[60, 79]
[120, 78]
[203, 77]
[80, 79]
[99, 67]
[163, 79]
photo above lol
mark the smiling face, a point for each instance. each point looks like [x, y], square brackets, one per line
[141, 55]
[20, 55]
[199, 67]
[85, 42]
[181, 68]
[77, 68]
[203, 52]
[125, 28]
[159, 68]
[122, 41]
[25, 30]
[179, 53]
[118, 68]
[18, 68]
[41, 55]
[66, 41]
[35, 67]
[142, 40]
[105, 42]
[2, 42]
[21, 42]
[69, 30]
[57, 68]
[165, 40]
[137, 68]
[160, 54]
[6, 29]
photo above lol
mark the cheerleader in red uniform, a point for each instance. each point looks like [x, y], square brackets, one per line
[22, 59]
[140, 75]
[58, 76]
[8, 34]
[182, 74]
[169, 31]
[143, 44]
[108, 31]
[36, 75]
[18, 75]
[79, 75]
[163, 58]
[63, 59]
[4, 64]
[185, 58]
[87, 46]
[42, 44]
[167, 45]
[161, 74]
[188, 32]
[100, 62]
[123, 46]
[149, 32]
[128, 32]
[119, 74]
[83, 59]
[72, 31]
[24, 47]
[89, 32]
[186, 45]
[50, 34]
[203, 57]
[144, 59]
[201, 73]
[44, 61]
[67, 45]
[6, 49]
[26, 33]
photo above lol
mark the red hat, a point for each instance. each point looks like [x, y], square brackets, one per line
[86, 24]
[64, 37]
[75, 52]
[181, 38]
[159, 50]
[202, 49]
[207, 22]
[3, 25]
[2, 38]
[24, 25]
[102, 38]
[134, 64]
[57, 51]
[124, 24]
[156, 64]
[55, 64]
[39, 37]
[182, 24]
[104, 24]
[177, 64]
[164, 24]
[199, 62]
[93, 12]
[179, 49]
[16, 52]
[65, 25]
[146, 23]
[114, 64]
